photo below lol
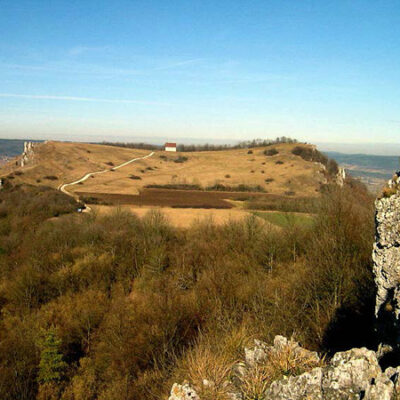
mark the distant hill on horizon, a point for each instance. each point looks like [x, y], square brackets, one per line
[367, 160]
[373, 170]
[370, 148]
[11, 147]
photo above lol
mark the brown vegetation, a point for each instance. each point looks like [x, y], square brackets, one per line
[282, 203]
[129, 305]
[271, 152]
[312, 154]
[188, 196]
[161, 197]
[238, 188]
[175, 186]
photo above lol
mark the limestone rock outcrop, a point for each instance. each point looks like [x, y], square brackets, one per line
[262, 352]
[341, 176]
[353, 374]
[27, 155]
[386, 258]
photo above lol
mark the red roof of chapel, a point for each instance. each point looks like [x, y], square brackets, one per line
[170, 144]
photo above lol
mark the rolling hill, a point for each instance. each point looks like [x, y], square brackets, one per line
[229, 182]
[56, 163]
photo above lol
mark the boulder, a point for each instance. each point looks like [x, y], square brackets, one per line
[261, 351]
[305, 386]
[351, 372]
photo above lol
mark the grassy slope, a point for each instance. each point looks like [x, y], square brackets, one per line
[70, 161]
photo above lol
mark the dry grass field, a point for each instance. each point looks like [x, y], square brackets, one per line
[281, 173]
[66, 162]
[182, 218]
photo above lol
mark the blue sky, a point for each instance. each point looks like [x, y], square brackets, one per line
[315, 70]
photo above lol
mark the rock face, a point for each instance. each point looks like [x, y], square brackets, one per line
[27, 155]
[341, 176]
[386, 257]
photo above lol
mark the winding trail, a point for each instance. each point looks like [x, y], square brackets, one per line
[63, 187]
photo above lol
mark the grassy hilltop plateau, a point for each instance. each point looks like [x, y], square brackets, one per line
[178, 263]
[234, 179]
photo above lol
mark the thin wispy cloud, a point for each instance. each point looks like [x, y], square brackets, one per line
[178, 64]
[199, 69]
[73, 68]
[79, 50]
[69, 67]
[80, 99]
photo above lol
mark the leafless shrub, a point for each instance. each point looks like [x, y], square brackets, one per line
[270, 152]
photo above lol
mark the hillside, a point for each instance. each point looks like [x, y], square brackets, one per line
[223, 185]
[65, 162]
[53, 163]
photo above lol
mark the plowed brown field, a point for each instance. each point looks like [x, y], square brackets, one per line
[174, 198]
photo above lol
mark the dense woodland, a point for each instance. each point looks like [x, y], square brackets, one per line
[116, 307]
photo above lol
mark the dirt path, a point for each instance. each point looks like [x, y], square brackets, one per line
[63, 187]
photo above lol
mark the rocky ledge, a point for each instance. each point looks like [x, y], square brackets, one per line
[353, 374]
